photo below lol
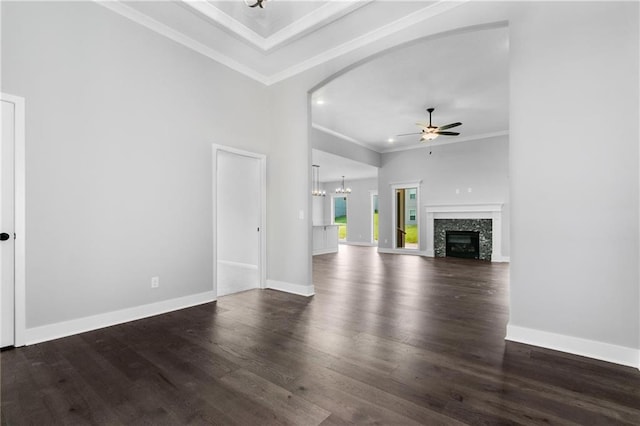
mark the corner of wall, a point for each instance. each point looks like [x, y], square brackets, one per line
[306, 290]
[575, 345]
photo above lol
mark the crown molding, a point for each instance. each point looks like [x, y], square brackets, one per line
[218, 16]
[162, 29]
[448, 141]
[368, 38]
[342, 49]
[341, 136]
[330, 11]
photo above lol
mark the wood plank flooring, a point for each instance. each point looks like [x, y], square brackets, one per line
[387, 339]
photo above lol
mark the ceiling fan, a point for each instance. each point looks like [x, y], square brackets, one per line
[429, 132]
[257, 3]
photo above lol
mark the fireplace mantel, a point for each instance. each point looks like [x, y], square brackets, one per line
[468, 211]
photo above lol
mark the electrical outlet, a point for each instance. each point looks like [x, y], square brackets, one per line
[155, 282]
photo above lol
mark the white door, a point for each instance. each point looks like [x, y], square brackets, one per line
[238, 189]
[7, 245]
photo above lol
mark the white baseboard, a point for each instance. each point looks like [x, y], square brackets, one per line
[356, 243]
[430, 253]
[299, 289]
[402, 251]
[325, 251]
[68, 328]
[575, 345]
[238, 264]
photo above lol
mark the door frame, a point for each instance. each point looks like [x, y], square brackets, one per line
[394, 187]
[333, 214]
[262, 260]
[19, 206]
[374, 193]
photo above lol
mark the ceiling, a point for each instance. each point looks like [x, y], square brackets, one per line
[333, 167]
[463, 76]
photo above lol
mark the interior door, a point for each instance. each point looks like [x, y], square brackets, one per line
[238, 189]
[7, 245]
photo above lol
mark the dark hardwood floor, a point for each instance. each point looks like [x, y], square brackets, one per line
[387, 339]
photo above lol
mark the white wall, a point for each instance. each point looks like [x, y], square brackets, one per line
[574, 170]
[120, 123]
[446, 175]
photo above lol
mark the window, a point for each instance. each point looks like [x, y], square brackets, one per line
[412, 195]
[412, 213]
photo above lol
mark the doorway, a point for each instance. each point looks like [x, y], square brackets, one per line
[12, 221]
[239, 220]
[339, 215]
[374, 217]
[406, 232]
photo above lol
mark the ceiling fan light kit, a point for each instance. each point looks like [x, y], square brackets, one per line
[429, 132]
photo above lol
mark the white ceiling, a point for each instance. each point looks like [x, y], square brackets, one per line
[463, 76]
[333, 167]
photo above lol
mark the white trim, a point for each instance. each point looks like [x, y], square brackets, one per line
[162, 29]
[341, 136]
[402, 251]
[374, 193]
[491, 211]
[356, 243]
[394, 187]
[262, 261]
[238, 264]
[401, 184]
[414, 18]
[501, 259]
[19, 171]
[215, 14]
[447, 141]
[299, 289]
[323, 15]
[325, 251]
[575, 345]
[107, 319]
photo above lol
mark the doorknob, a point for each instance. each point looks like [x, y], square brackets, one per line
[4, 236]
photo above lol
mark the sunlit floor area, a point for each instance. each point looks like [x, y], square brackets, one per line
[387, 339]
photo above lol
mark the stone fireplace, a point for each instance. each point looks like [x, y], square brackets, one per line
[486, 219]
[447, 229]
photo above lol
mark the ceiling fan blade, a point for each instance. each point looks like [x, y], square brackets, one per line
[446, 133]
[408, 134]
[449, 126]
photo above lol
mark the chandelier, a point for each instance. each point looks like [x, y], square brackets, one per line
[342, 189]
[315, 182]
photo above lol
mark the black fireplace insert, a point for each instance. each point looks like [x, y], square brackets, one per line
[465, 244]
